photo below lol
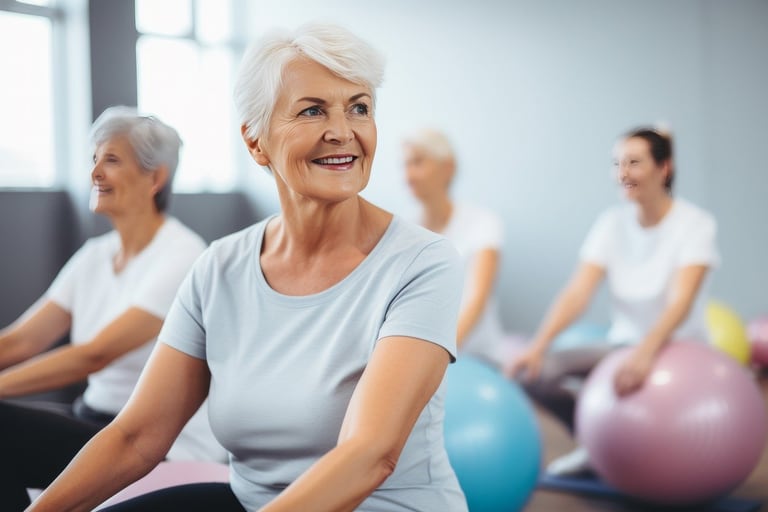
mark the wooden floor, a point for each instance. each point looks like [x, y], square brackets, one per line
[557, 442]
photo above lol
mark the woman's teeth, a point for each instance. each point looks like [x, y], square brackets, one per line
[335, 160]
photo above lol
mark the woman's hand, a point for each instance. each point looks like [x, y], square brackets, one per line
[632, 373]
[567, 307]
[526, 365]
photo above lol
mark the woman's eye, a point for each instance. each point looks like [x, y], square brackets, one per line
[360, 109]
[311, 111]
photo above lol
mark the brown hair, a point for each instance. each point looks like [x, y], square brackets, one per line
[660, 143]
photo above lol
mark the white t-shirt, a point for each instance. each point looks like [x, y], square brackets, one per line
[88, 288]
[283, 368]
[641, 264]
[471, 230]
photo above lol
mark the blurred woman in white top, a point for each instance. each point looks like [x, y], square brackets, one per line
[112, 297]
[656, 252]
[477, 233]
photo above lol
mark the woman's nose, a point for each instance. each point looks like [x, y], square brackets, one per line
[96, 172]
[339, 130]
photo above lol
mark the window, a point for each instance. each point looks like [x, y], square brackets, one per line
[186, 55]
[27, 146]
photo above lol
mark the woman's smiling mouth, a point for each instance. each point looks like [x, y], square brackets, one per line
[340, 162]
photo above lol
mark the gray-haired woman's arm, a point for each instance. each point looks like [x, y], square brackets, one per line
[171, 389]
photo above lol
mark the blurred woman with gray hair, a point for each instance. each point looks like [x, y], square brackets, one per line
[320, 334]
[477, 233]
[112, 297]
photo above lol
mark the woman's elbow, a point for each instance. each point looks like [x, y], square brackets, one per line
[94, 359]
[380, 457]
[387, 461]
[386, 457]
[384, 465]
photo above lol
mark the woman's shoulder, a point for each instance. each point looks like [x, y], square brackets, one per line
[616, 216]
[108, 241]
[406, 232]
[473, 213]
[409, 240]
[236, 246]
[691, 213]
[180, 235]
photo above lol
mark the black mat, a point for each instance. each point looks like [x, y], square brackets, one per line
[592, 486]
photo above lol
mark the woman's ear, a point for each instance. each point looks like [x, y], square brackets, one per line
[666, 169]
[254, 148]
[450, 171]
[159, 179]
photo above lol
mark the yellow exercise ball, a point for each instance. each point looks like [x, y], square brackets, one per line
[727, 331]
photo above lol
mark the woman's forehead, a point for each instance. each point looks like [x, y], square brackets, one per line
[305, 78]
[117, 143]
[631, 145]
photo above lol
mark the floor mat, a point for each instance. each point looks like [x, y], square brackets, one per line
[596, 488]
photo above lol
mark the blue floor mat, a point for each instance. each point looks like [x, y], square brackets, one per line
[595, 487]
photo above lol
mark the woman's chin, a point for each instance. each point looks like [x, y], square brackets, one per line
[630, 194]
[100, 209]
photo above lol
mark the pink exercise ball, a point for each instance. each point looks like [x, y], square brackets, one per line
[758, 337]
[692, 433]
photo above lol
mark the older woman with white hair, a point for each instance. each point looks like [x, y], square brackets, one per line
[320, 335]
[477, 232]
[112, 297]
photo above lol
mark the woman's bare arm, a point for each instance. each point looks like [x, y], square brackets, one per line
[43, 324]
[567, 307]
[685, 287]
[484, 270]
[73, 363]
[400, 379]
[171, 389]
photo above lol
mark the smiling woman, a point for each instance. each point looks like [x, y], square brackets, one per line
[112, 297]
[656, 253]
[324, 331]
[321, 147]
[137, 151]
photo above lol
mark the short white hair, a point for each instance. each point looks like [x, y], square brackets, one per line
[435, 143]
[261, 70]
[154, 143]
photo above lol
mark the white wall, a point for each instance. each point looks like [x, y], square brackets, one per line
[534, 94]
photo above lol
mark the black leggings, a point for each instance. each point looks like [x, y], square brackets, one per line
[204, 497]
[37, 441]
[36, 445]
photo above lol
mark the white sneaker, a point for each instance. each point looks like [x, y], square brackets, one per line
[570, 464]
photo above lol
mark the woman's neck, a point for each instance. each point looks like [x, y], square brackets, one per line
[436, 213]
[313, 229]
[651, 212]
[136, 232]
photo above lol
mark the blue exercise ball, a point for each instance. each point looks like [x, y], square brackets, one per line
[491, 436]
[579, 335]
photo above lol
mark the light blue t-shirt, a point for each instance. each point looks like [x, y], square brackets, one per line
[283, 368]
